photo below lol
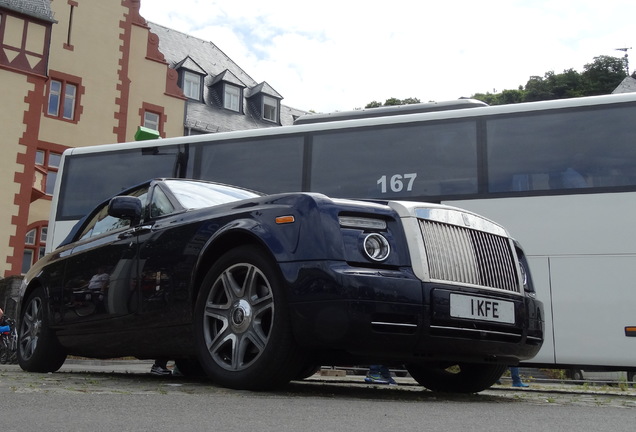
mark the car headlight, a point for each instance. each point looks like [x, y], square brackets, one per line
[524, 276]
[376, 247]
[361, 222]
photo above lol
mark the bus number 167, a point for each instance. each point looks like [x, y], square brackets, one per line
[397, 182]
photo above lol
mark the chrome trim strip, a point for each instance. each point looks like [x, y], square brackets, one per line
[476, 331]
[393, 324]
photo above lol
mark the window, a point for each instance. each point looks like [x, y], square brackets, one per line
[47, 163]
[151, 120]
[24, 43]
[160, 204]
[231, 98]
[62, 99]
[152, 116]
[102, 222]
[424, 160]
[34, 246]
[270, 109]
[81, 190]
[560, 150]
[279, 160]
[192, 85]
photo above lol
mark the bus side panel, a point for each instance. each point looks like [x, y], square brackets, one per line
[595, 302]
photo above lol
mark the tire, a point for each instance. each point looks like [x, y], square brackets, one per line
[576, 374]
[242, 328]
[458, 378]
[307, 371]
[38, 347]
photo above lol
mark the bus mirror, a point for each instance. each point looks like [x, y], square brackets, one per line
[125, 207]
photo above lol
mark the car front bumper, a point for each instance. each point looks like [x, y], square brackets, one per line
[391, 316]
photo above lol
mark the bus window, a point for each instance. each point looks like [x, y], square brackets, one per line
[92, 177]
[562, 150]
[397, 161]
[270, 166]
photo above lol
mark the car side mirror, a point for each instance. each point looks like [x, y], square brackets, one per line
[126, 207]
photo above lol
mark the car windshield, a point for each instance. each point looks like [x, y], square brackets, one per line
[194, 195]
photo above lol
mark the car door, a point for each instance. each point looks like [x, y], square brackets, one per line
[165, 268]
[101, 274]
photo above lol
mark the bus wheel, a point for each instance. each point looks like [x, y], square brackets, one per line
[576, 375]
[242, 329]
[38, 347]
[456, 378]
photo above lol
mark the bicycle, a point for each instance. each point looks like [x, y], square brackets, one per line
[9, 343]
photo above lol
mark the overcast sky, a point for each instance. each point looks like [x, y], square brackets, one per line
[336, 55]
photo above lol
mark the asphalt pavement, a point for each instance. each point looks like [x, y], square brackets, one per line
[537, 379]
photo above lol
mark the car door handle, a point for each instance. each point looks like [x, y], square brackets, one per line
[135, 231]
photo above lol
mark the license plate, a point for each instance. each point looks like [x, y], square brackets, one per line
[482, 308]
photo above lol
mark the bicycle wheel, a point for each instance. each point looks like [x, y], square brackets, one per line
[4, 350]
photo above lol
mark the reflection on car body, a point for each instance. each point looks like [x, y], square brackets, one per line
[253, 290]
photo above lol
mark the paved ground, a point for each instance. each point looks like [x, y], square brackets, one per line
[132, 377]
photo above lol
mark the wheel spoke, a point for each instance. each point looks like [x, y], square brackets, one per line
[257, 337]
[234, 289]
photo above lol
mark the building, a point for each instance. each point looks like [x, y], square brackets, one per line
[628, 85]
[86, 72]
[220, 95]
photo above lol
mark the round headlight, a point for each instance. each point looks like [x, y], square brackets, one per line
[376, 247]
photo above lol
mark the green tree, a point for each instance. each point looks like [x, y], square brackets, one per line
[392, 101]
[603, 75]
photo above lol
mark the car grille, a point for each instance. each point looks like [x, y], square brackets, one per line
[463, 255]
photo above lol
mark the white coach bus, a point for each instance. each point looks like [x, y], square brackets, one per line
[559, 175]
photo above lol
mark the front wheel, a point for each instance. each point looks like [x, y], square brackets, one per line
[242, 328]
[457, 378]
[38, 347]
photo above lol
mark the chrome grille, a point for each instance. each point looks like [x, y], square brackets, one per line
[463, 255]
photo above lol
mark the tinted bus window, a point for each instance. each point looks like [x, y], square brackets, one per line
[396, 161]
[562, 150]
[269, 166]
[93, 177]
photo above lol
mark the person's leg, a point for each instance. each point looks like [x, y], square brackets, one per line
[379, 374]
[516, 379]
[386, 374]
[160, 367]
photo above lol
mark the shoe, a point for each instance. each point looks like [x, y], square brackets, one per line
[376, 378]
[520, 384]
[160, 371]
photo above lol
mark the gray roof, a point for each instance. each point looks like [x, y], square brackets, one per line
[184, 51]
[40, 9]
[628, 85]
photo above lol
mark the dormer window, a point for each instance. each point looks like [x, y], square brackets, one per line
[192, 85]
[232, 98]
[270, 109]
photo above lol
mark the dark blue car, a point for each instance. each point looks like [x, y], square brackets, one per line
[256, 290]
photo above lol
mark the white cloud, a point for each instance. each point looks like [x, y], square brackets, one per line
[338, 55]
